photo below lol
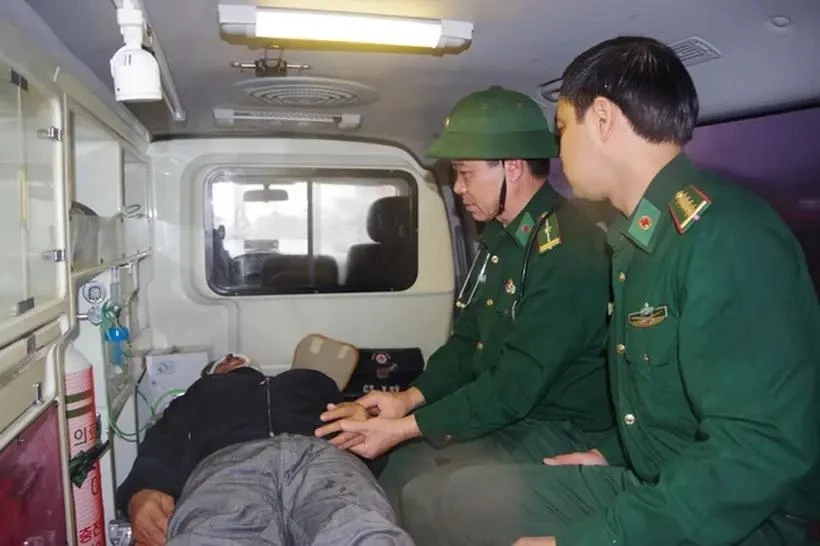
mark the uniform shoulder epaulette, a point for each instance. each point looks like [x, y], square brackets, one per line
[549, 236]
[687, 206]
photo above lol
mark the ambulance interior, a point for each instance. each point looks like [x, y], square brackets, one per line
[278, 187]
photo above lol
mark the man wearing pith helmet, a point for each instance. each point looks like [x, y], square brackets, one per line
[713, 352]
[524, 369]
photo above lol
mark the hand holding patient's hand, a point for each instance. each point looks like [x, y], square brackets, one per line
[593, 457]
[149, 512]
[390, 405]
[346, 410]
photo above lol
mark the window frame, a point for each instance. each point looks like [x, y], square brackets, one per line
[308, 173]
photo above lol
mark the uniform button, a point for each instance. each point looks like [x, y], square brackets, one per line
[495, 259]
[646, 357]
[622, 276]
[490, 302]
[620, 348]
[479, 346]
[448, 438]
[629, 419]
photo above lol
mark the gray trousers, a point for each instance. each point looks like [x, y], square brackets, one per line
[289, 490]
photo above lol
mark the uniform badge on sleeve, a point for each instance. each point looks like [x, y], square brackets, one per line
[549, 236]
[687, 207]
[648, 316]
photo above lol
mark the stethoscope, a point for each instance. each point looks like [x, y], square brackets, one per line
[472, 283]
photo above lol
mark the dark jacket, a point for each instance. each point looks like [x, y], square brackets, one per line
[224, 409]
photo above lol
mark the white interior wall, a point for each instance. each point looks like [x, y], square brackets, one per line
[184, 311]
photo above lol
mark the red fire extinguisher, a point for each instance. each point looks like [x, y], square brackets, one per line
[83, 435]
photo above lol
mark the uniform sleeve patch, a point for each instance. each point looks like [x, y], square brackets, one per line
[688, 206]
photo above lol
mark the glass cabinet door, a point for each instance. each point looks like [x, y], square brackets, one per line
[13, 287]
[40, 124]
[29, 148]
[136, 204]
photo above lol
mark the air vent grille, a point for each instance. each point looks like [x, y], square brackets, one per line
[306, 92]
[694, 50]
[690, 51]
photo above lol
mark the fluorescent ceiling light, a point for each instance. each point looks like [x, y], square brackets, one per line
[326, 26]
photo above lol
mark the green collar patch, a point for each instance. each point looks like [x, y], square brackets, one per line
[644, 221]
[525, 227]
[687, 207]
[549, 236]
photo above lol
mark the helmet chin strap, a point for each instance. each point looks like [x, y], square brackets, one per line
[502, 195]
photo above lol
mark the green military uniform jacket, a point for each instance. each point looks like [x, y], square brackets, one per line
[545, 358]
[714, 367]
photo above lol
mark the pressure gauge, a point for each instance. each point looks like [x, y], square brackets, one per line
[94, 292]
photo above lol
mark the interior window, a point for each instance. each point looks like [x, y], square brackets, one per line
[283, 233]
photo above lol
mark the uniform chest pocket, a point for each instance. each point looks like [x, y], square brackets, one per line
[651, 341]
[499, 301]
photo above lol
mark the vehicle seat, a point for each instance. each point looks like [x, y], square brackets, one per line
[289, 272]
[389, 263]
[221, 268]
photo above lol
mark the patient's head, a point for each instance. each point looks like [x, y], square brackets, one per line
[227, 363]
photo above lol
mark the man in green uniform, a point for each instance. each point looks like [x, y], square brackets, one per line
[713, 345]
[523, 372]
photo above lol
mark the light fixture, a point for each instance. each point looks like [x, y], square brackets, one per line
[134, 70]
[326, 26]
[229, 116]
[140, 75]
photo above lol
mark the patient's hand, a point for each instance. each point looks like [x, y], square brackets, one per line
[345, 410]
[149, 512]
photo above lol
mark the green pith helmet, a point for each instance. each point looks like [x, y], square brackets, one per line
[495, 124]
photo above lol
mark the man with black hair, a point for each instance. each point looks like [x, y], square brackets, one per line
[234, 461]
[523, 372]
[713, 344]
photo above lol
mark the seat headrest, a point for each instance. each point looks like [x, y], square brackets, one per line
[388, 220]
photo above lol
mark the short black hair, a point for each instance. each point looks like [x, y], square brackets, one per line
[539, 168]
[647, 81]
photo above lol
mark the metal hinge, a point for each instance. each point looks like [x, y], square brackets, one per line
[54, 255]
[24, 306]
[50, 133]
[16, 79]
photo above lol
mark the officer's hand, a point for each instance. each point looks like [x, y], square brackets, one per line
[149, 512]
[391, 405]
[593, 457]
[345, 410]
[535, 541]
[380, 434]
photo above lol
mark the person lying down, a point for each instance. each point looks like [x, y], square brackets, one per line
[234, 461]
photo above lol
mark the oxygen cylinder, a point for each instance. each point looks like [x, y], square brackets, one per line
[82, 430]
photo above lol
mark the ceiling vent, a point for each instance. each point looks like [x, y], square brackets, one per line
[690, 51]
[694, 50]
[306, 92]
[287, 120]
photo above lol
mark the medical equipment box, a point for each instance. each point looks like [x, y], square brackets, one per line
[169, 372]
